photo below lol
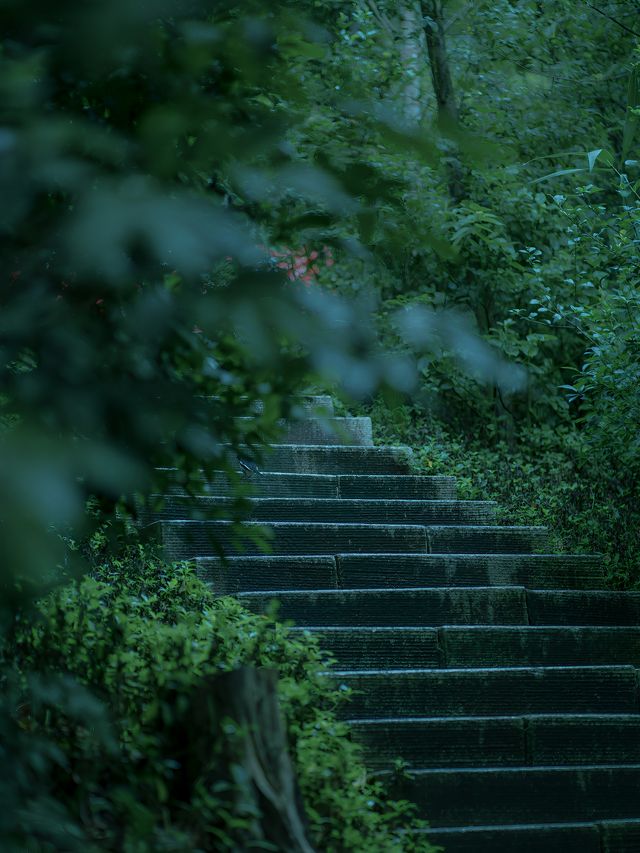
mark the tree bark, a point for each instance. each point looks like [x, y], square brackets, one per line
[234, 727]
[411, 57]
[447, 108]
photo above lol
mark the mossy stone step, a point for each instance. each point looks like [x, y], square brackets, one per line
[323, 430]
[532, 838]
[540, 646]
[608, 836]
[589, 607]
[522, 795]
[367, 647]
[403, 607]
[187, 539]
[241, 574]
[397, 487]
[490, 692]
[538, 571]
[184, 540]
[275, 484]
[336, 459]
[480, 646]
[334, 510]
[482, 539]
[516, 741]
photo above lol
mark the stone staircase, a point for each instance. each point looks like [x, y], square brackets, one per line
[505, 677]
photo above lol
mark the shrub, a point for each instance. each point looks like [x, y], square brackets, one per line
[107, 675]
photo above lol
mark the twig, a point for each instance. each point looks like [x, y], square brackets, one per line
[612, 19]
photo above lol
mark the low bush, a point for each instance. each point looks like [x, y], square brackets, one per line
[94, 722]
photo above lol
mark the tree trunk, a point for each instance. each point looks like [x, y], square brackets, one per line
[411, 58]
[233, 733]
[447, 108]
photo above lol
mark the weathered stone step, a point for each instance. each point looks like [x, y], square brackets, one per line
[423, 742]
[589, 607]
[603, 837]
[540, 646]
[333, 510]
[328, 431]
[274, 484]
[480, 646]
[336, 459]
[183, 540]
[405, 607]
[362, 571]
[538, 571]
[243, 574]
[187, 539]
[480, 539]
[521, 795]
[490, 692]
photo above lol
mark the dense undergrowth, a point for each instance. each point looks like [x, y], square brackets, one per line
[97, 748]
[541, 475]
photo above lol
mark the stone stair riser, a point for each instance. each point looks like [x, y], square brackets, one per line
[362, 571]
[501, 741]
[593, 607]
[541, 838]
[452, 647]
[523, 795]
[275, 484]
[338, 459]
[490, 692]
[420, 607]
[537, 571]
[188, 539]
[336, 511]
[184, 540]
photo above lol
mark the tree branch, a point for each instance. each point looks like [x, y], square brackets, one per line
[612, 19]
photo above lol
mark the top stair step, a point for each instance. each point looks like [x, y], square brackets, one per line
[327, 431]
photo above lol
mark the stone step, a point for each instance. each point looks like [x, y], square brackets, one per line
[574, 739]
[521, 795]
[319, 430]
[528, 838]
[589, 607]
[401, 607]
[481, 539]
[336, 459]
[362, 571]
[538, 571]
[479, 646]
[486, 646]
[333, 510]
[187, 539]
[242, 574]
[274, 484]
[184, 540]
[490, 692]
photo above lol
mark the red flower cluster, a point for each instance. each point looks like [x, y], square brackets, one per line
[302, 264]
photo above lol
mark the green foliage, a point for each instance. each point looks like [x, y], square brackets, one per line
[107, 679]
[548, 475]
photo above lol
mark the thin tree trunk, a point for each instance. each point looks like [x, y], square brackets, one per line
[411, 53]
[447, 108]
